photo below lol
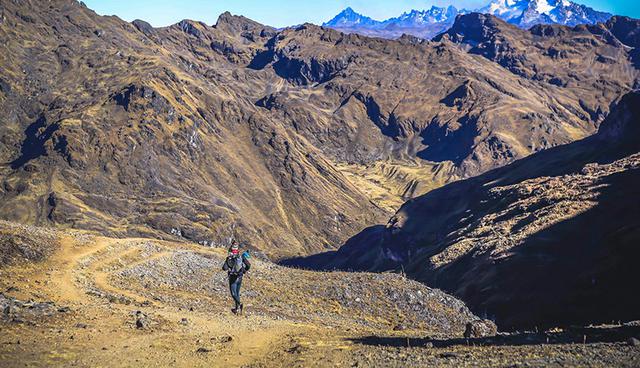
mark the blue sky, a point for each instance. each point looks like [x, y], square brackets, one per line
[280, 13]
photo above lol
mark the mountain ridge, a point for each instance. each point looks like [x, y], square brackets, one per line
[429, 23]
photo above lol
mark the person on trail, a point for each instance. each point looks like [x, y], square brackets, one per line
[236, 265]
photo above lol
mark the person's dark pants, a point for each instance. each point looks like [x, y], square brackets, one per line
[235, 282]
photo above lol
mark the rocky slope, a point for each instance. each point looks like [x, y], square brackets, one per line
[290, 140]
[91, 300]
[190, 277]
[153, 290]
[548, 239]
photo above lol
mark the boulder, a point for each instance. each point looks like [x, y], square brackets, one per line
[480, 328]
[142, 321]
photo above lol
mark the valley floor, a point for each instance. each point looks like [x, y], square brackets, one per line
[98, 301]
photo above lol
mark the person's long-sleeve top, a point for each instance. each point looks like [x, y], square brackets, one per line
[228, 264]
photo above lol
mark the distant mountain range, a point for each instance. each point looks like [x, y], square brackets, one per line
[428, 23]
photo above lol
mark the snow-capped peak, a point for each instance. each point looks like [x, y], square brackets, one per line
[523, 13]
[526, 13]
[543, 7]
[350, 18]
[416, 17]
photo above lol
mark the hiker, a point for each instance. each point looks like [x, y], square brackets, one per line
[236, 265]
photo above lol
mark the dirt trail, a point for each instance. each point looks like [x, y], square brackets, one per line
[76, 269]
[106, 282]
[64, 263]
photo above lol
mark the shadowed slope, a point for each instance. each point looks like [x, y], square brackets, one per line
[548, 239]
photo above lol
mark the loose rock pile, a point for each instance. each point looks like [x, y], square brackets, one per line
[30, 312]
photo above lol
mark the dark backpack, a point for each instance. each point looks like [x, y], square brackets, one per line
[237, 265]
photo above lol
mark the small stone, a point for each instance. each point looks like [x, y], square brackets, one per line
[141, 320]
[225, 339]
[448, 355]
[203, 350]
[480, 328]
[8, 310]
[140, 323]
[632, 341]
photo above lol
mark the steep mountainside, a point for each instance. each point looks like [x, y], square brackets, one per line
[549, 239]
[428, 23]
[457, 107]
[291, 140]
[127, 129]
